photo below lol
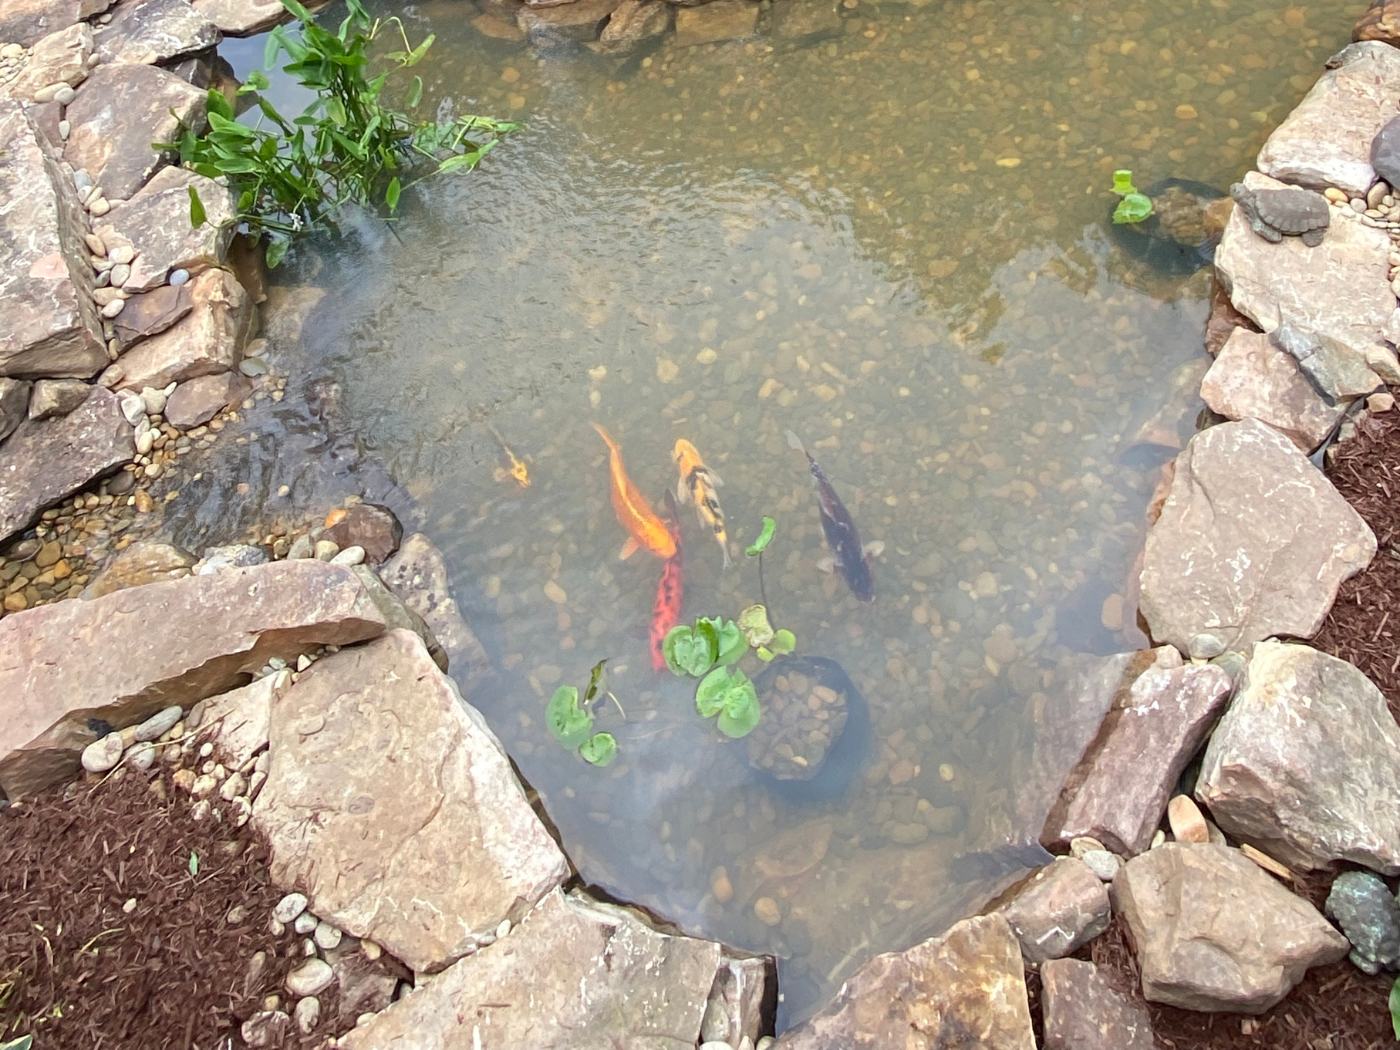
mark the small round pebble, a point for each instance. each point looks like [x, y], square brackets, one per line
[1102, 863]
[767, 910]
[102, 754]
[304, 923]
[252, 366]
[64, 95]
[310, 977]
[158, 723]
[349, 556]
[307, 1014]
[326, 936]
[113, 308]
[289, 907]
[122, 253]
[326, 550]
[178, 277]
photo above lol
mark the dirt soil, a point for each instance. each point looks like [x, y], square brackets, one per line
[78, 971]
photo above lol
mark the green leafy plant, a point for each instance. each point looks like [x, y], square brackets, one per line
[570, 720]
[758, 546]
[1395, 1007]
[728, 693]
[291, 174]
[710, 649]
[1135, 206]
[762, 638]
[24, 1042]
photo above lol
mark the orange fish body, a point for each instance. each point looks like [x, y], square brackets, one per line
[670, 593]
[644, 528]
[697, 485]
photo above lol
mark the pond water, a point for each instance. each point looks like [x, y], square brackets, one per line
[891, 242]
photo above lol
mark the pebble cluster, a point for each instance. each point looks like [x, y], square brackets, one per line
[801, 721]
[12, 59]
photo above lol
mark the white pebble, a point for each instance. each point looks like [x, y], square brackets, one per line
[65, 128]
[289, 907]
[178, 277]
[158, 723]
[141, 757]
[121, 273]
[133, 408]
[113, 308]
[349, 556]
[310, 977]
[129, 906]
[153, 399]
[102, 754]
[304, 923]
[100, 206]
[64, 94]
[144, 442]
[326, 936]
[502, 928]
[122, 253]
[307, 1014]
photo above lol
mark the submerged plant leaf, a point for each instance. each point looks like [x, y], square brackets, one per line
[728, 693]
[569, 723]
[1123, 182]
[784, 641]
[765, 654]
[765, 537]
[599, 749]
[732, 644]
[595, 682]
[710, 695]
[1133, 208]
[753, 621]
[688, 652]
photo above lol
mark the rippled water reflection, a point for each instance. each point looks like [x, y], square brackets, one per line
[891, 243]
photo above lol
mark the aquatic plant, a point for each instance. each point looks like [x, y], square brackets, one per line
[766, 642]
[758, 546]
[1395, 1007]
[1135, 206]
[348, 146]
[570, 720]
[711, 649]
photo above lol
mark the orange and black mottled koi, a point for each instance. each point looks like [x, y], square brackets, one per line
[697, 485]
[670, 591]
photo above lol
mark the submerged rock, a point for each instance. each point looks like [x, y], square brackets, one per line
[1380, 21]
[1363, 906]
[417, 573]
[145, 561]
[717, 21]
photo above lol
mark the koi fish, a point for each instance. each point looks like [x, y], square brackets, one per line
[852, 559]
[633, 511]
[697, 484]
[515, 468]
[670, 591]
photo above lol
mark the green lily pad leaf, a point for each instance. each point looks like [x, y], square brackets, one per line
[711, 694]
[1123, 182]
[765, 654]
[1395, 1007]
[707, 627]
[567, 721]
[753, 621]
[784, 642]
[765, 537]
[599, 749]
[687, 653]
[732, 644]
[1133, 208]
[741, 711]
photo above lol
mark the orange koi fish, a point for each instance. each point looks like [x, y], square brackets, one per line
[515, 466]
[670, 591]
[633, 511]
[697, 484]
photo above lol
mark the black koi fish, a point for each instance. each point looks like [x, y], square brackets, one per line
[847, 554]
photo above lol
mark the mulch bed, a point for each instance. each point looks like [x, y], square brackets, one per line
[1363, 627]
[78, 971]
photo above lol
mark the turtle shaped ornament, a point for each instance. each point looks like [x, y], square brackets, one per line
[1276, 214]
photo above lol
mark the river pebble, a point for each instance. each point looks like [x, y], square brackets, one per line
[102, 754]
[311, 977]
[289, 907]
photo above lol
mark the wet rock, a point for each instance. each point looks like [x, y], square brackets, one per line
[155, 221]
[1362, 905]
[740, 1005]
[1339, 289]
[369, 526]
[59, 58]
[145, 561]
[577, 20]
[1119, 789]
[807, 22]
[1253, 541]
[1380, 21]
[236, 722]
[1253, 379]
[1326, 140]
[29, 21]
[965, 988]
[207, 341]
[634, 22]
[245, 17]
[1213, 932]
[588, 961]
[418, 575]
[14, 404]
[716, 21]
[51, 326]
[1306, 762]
[458, 797]
[213, 631]
[1063, 906]
[155, 31]
[121, 110]
[53, 397]
[150, 312]
[1083, 1011]
[45, 460]
[198, 400]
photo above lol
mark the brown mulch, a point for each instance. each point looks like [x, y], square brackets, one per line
[1363, 627]
[79, 972]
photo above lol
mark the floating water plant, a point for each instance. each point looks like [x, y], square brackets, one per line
[570, 720]
[728, 695]
[290, 174]
[758, 546]
[762, 638]
[1135, 205]
[710, 649]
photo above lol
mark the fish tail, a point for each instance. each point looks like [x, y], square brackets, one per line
[724, 549]
[795, 443]
[607, 438]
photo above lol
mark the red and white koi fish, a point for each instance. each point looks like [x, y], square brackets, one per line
[670, 591]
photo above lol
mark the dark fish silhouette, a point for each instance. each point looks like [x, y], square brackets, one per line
[848, 556]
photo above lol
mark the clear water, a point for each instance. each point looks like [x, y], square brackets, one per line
[892, 243]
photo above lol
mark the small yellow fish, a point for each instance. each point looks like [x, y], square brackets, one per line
[697, 485]
[517, 468]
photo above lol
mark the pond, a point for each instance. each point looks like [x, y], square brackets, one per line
[890, 241]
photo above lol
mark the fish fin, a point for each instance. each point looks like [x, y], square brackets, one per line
[873, 549]
[682, 495]
[795, 442]
[827, 564]
[724, 547]
[628, 549]
[714, 477]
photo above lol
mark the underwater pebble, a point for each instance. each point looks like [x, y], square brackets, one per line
[555, 593]
[767, 911]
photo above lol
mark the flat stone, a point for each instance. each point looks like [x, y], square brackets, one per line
[120, 111]
[29, 21]
[311, 977]
[609, 978]
[1212, 932]
[145, 561]
[418, 575]
[1253, 542]
[577, 20]
[375, 745]
[1306, 763]
[59, 58]
[635, 22]
[1063, 906]
[47, 460]
[51, 325]
[966, 988]
[14, 405]
[53, 397]
[236, 722]
[102, 754]
[1083, 1011]
[198, 400]
[155, 31]
[151, 312]
[1334, 368]
[1326, 140]
[245, 17]
[180, 641]
[1120, 787]
[209, 340]
[1253, 379]
[715, 22]
[156, 222]
[1339, 289]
